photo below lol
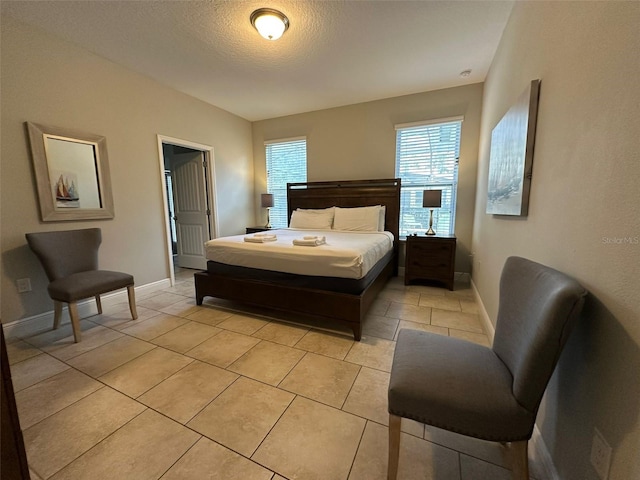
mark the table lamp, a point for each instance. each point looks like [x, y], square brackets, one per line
[266, 200]
[431, 199]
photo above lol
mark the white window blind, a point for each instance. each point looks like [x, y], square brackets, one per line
[286, 163]
[427, 159]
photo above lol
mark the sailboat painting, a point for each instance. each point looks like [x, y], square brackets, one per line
[511, 156]
[65, 190]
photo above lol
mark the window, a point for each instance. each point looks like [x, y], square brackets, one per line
[427, 159]
[286, 163]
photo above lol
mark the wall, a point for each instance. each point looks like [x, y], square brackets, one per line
[584, 213]
[358, 141]
[49, 81]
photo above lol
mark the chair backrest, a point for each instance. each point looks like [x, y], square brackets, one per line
[538, 309]
[65, 252]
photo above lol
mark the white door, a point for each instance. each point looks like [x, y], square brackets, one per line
[191, 210]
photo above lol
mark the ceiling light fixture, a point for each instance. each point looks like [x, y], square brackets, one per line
[465, 73]
[269, 23]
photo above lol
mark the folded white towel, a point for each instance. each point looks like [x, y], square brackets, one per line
[322, 238]
[264, 234]
[261, 239]
[310, 242]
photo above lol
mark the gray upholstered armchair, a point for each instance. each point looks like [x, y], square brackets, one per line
[488, 393]
[70, 260]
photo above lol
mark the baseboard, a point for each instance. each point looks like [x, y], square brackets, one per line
[538, 450]
[539, 453]
[44, 321]
[487, 325]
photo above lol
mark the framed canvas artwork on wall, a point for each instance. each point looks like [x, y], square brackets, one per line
[511, 156]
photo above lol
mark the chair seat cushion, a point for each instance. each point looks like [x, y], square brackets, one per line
[87, 284]
[456, 385]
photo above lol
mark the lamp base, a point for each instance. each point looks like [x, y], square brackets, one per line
[431, 231]
[268, 225]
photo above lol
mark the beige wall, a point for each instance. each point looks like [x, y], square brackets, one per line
[358, 142]
[584, 213]
[49, 81]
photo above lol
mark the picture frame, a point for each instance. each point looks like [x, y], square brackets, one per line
[511, 156]
[72, 173]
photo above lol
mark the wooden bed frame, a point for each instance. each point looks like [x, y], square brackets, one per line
[348, 308]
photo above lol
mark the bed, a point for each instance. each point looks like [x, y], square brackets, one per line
[328, 297]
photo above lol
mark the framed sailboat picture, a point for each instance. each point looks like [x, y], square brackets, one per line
[72, 173]
[511, 156]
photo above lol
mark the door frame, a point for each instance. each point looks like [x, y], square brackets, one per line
[210, 181]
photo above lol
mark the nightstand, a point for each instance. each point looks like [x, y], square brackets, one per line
[256, 229]
[430, 257]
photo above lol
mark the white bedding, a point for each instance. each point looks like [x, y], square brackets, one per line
[344, 255]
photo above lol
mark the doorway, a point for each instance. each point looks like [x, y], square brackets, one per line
[188, 194]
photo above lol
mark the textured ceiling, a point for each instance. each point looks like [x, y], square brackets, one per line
[334, 53]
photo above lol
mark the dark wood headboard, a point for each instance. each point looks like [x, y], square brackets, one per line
[350, 193]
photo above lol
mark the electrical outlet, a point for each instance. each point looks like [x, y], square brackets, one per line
[600, 455]
[24, 285]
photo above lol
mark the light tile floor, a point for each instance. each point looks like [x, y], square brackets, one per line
[223, 392]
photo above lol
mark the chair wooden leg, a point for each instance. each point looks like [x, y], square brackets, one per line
[99, 303]
[75, 321]
[57, 314]
[520, 460]
[132, 301]
[394, 446]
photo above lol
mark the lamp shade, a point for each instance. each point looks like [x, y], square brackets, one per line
[266, 199]
[432, 198]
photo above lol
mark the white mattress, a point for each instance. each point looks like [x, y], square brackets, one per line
[345, 254]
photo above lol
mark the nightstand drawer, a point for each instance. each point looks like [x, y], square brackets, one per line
[424, 256]
[435, 268]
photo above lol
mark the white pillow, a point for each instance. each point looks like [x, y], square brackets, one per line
[321, 219]
[383, 211]
[361, 219]
[316, 210]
